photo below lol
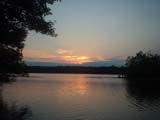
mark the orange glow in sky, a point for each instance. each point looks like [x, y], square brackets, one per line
[60, 56]
[77, 59]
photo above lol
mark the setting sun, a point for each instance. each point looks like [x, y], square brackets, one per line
[77, 59]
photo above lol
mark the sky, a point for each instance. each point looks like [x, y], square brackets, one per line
[97, 31]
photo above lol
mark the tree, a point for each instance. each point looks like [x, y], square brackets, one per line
[17, 17]
[143, 65]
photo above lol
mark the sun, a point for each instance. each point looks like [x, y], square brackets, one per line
[77, 59]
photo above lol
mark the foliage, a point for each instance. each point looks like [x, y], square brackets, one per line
[17, 17]
[143, 65]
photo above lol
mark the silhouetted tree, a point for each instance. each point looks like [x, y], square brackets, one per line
[143, 65]
[17, 17]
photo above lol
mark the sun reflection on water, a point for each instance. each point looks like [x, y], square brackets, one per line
[75, 86]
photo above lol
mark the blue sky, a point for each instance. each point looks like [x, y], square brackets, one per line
[97, 31]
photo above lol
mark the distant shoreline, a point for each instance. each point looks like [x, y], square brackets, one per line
[75, 70]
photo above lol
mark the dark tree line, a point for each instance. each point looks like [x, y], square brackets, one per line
[17, 17]
[75, 70]
[143, 65]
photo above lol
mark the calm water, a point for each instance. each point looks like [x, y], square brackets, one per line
[82, 97]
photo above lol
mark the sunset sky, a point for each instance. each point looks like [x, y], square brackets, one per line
[97, 31]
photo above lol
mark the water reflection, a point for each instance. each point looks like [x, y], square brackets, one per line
[4, 78]
[78, 86]
[83, 97]
[144, 96]
[13, 111]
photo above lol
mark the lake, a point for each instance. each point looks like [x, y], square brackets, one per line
[80, 97]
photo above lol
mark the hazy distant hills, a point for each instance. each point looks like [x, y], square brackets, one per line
[98, 63]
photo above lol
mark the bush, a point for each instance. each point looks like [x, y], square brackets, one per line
[143, 65]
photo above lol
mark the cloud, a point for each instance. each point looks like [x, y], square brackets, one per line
[63, 51]
[77, 59]
[36, 55]
[64, 56]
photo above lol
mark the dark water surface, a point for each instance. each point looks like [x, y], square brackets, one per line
[82, 97]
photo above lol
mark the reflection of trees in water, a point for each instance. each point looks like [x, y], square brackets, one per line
[144, 95]
[12, 112]
[7, 78]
